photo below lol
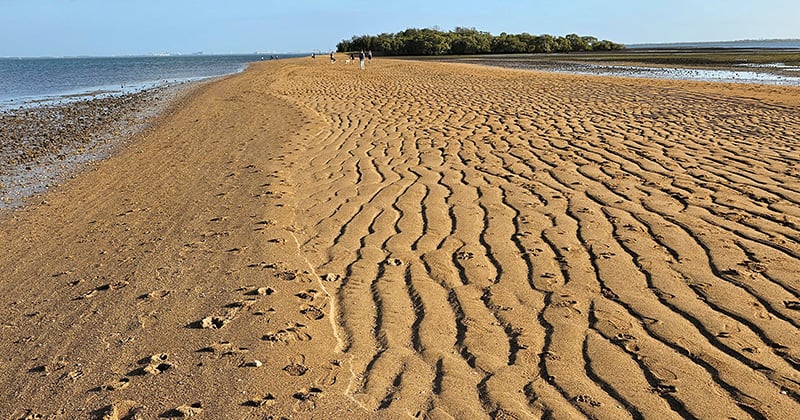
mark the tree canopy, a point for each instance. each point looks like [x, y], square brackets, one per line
[471, 41]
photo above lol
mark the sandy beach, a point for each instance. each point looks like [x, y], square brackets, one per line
[424, 240]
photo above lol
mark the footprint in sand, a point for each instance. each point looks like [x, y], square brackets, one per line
[286, 275]
[186, 410]
[666, 379]
[216, 322]
[223, 348]
[252, 364]
[609, 294]
[626, 341]
[588, 399]
[308, 295]
[31, 415]
[395, 262]
[295, 332]
[156, 294]
[261, 291]
[312, 312]
[329, 374]
[106, 287]
[117, 385]
[267, 401]
[760, 312]
[792, 304]
[209, 322]
[662, 295]
[296, 369]
[154, 365]
[331, 277]
[568, 304]
[754, 266]
[263, 265]
[464, 255]
[306, 399]
[239, 304]
[664, 389]
[119, 410]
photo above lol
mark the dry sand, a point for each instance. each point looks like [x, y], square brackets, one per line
[428, 240]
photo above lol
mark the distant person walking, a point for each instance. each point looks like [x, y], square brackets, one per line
[361, 59]
[369, 55]
[333, 58]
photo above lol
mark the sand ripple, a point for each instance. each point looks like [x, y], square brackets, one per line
[522, 244]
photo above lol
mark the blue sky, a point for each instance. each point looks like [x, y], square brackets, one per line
[112, 27]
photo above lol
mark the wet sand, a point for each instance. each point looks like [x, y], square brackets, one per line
[43, 145]
[419, 239]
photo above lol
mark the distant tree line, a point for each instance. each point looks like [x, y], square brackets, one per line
[471, 41]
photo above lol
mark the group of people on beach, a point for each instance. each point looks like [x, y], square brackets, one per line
[362, 57]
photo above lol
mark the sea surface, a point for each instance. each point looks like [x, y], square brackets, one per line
[787, 44]
[33, 81]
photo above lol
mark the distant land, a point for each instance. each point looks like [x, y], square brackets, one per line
[745, 43]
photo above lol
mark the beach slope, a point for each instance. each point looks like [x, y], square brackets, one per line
[419, 239]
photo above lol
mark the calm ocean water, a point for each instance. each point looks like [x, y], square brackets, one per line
[26, 81]
[768, 43]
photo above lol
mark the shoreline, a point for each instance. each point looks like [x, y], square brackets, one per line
[776, 67]
[44, 145]
[744, 74]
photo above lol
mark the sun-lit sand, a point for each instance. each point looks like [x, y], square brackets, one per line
[417, 239]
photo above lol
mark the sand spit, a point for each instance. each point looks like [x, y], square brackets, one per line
[428, 240]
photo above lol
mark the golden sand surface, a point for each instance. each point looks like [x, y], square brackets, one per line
[308, 240]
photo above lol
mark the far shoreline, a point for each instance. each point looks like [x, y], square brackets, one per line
[780, 67]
